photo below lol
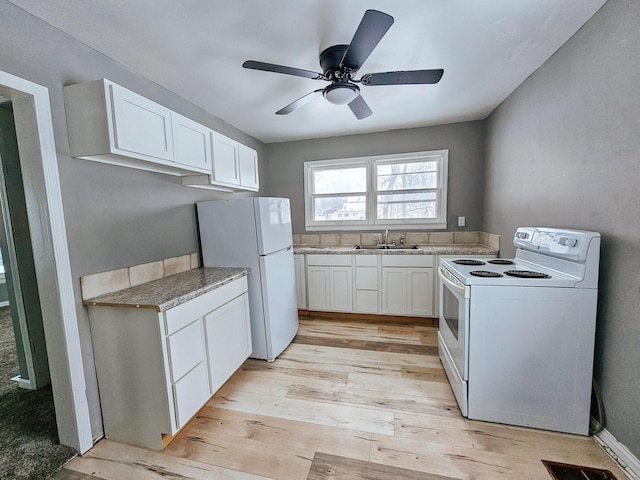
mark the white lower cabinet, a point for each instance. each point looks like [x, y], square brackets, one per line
[407, 285]
[157, 369]
[366, 284]
[330, 283]
[228, 338]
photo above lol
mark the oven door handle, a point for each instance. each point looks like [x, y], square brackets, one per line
[453, 284]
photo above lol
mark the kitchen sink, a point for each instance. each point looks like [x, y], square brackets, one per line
[387, 247]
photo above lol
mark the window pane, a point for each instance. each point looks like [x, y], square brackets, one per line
[339, 208]
[407, 205]
[340, 180]
[407, 176]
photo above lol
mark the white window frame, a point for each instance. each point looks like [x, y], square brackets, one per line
[372, 223]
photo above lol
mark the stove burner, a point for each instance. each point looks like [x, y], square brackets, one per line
[526, 274]
[485, 273]
[502, 261]
[468, 262]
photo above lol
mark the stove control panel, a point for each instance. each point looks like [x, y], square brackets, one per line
[563, 243]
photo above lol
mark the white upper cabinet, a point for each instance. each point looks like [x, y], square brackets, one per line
[139, 125]
[248, 160]
[226, 163]
[110, 124]
[191, 144]
[235, 167]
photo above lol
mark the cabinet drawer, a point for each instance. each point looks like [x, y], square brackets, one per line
[191, 392]
[333, 260]
[366, 278]
[366, 301]
[366, 260]
[186, 349]
[407, 260]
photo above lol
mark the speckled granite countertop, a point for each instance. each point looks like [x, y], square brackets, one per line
[171, 291]
[449, 249]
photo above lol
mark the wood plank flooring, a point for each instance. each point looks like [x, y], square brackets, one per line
[347, 400]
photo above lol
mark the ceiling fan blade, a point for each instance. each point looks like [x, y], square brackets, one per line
[300, 102]
[373, 26]
[411, 77]
[270, 67]
[360, 108]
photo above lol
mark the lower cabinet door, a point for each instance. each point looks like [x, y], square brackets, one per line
[228, 333]
[420, 292]
[190, 393]
[394, 290]
[318, 288]
[341, 289]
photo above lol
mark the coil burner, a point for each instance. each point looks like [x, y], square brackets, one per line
[468, 262]
[485, 273]
[502, 261]
[526, 274]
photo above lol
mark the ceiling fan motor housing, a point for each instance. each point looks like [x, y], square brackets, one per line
[330, 60]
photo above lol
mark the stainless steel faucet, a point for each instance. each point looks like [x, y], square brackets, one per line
[386, 237]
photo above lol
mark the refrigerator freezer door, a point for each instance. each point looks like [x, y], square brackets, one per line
[273, 224]
[279, 301]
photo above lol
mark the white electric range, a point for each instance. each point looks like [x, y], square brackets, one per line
[516, 336]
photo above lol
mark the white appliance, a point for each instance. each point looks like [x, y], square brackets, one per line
[256, 232]
[516, 336]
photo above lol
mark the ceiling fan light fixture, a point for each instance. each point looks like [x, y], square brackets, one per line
[341, 93]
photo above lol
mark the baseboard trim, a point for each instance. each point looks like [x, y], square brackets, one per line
[400, 319]
[621, 454]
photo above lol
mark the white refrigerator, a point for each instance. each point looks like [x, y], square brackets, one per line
[256, 232]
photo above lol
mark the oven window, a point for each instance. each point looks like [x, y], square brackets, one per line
[450, 311]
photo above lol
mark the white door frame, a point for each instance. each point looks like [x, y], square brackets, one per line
[34, 129]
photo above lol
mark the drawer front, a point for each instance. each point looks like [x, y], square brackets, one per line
[366, 260]
[191, 392]
[366, 301]
[186, 349]
[407, 260]
[182, 315]
[333, 260]
[366, 278]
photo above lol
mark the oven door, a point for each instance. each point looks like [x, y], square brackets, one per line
[453, 333]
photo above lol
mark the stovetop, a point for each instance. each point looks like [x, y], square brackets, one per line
[508, 272]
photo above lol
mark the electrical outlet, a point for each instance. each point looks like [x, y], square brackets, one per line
[461, 221]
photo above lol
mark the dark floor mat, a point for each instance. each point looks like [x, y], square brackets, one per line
[563, 471]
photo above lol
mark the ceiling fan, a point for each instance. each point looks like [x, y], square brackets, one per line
[340, 63]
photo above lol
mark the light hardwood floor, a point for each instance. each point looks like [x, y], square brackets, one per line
[348, 399]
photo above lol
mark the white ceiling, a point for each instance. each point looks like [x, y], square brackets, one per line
[196, 48]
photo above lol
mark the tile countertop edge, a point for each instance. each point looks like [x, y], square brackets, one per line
[460, 249]
[166, 293]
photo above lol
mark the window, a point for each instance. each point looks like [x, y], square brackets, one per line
[370, 192]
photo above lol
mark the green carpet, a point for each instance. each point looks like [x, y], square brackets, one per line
[29, 448]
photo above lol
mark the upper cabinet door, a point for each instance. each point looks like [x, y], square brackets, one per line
[191, 143]
[248, 158]
[226, 168]
[140, 125]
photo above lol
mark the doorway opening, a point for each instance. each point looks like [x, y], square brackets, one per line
[19, 297]
[45, 218]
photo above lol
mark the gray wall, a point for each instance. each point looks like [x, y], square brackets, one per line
[465, 141]
[564, 150]
[115, 216]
